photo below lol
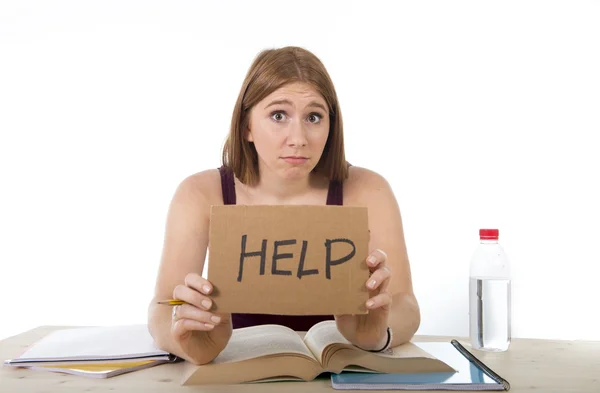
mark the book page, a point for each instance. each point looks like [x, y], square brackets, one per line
[336, 353]
[325, 333]
[257, 341]
[322, 335]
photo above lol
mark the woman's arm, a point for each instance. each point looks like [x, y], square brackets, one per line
[193, 336]
[395, 304]
[387, 234]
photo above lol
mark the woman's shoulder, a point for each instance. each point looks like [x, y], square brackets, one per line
[202, 186]
[362, 184]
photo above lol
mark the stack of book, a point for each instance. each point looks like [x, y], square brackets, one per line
[96, 352]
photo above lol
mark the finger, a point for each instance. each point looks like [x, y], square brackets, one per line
[174, 314]
[199, 283]
[382, 300]
[187, 311]
[376, 258]
[192, 296]
[386, 283]
[182, 326]
[379, 277]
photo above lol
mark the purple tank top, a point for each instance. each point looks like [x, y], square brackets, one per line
[335, 196]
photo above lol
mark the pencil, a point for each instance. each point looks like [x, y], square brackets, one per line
[171, 302]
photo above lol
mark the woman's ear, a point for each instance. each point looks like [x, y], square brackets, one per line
[249, 136]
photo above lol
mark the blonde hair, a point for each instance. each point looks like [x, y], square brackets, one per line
[272, 69]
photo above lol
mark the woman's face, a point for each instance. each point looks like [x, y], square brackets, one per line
[289, 129]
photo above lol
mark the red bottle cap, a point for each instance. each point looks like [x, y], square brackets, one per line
[488, 234]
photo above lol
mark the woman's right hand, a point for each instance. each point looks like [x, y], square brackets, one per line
[200, 333]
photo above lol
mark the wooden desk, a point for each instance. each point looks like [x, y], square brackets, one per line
[542, 366]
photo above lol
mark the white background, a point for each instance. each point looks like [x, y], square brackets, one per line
[479, 114]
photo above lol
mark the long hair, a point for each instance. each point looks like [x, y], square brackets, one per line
[272, 69]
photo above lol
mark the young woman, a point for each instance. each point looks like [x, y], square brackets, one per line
[285, 147]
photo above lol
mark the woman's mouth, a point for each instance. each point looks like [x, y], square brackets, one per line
[295, 160]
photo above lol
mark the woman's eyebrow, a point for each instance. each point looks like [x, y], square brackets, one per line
[313, 104]
[279, 102]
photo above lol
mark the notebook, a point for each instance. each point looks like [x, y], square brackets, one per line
[97, 352]
[471, 374]
[98, 370]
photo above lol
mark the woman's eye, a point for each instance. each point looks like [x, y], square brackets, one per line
[278, 116]
[314, 118]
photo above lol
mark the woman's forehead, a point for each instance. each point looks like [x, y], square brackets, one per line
[296, 90]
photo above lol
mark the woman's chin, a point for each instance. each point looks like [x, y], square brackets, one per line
[296, 172]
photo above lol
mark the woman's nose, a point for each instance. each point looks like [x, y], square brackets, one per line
[297, 134]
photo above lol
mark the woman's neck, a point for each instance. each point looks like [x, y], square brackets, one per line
[277, 190]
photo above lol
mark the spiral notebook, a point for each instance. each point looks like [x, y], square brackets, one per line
[471, 374]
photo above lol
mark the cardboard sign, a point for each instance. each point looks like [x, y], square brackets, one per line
[289, 260]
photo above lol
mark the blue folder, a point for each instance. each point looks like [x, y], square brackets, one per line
[471, 374]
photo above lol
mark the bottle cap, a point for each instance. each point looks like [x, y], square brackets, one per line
[488, 234]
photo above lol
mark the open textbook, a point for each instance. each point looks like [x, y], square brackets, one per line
[96, 352]
[274, 352]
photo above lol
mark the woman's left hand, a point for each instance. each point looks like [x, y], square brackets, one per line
[369, 331]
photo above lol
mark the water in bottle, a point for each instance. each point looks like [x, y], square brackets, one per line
[489, 295]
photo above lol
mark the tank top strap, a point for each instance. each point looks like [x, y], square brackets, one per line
[335, 195]
[227, 185]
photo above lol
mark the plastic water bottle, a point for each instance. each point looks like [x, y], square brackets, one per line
[489, 295]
